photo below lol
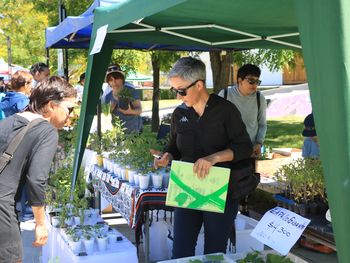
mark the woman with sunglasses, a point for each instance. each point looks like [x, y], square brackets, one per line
[206, 130]
[51, 103]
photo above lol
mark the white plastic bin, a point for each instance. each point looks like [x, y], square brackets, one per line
[245, 243]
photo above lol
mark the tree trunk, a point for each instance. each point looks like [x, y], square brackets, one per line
[156, 90]
[220, 65]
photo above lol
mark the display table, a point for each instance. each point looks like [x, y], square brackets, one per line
[130, 201]
[57, 250]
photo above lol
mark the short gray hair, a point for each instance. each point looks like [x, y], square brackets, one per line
[189, 69]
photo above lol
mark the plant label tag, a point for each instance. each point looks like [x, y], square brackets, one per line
[108, 177]
[280, 229]
[104, 175]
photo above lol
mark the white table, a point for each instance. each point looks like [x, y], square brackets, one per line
[57, 250]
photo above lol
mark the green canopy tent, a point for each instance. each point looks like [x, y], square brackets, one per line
[320, 27]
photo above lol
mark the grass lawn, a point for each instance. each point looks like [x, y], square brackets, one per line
[281, 132]
[285, 132]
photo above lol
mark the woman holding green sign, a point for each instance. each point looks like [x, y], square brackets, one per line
[206, 130]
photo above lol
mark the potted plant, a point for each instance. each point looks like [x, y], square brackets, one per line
[258, 257]
[75, 244]
[303, 182]
[112, 236]
[125, 98]
[102, 241]
[94, 144]
[88, 241]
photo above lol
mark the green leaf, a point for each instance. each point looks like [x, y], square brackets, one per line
[181, 198]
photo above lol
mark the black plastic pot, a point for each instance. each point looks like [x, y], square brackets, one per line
[304, 209]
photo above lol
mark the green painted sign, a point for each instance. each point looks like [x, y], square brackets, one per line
[186, 190]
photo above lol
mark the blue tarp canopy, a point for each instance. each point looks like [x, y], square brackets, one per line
[75, 32]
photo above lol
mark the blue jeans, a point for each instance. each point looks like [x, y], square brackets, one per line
[217, 228]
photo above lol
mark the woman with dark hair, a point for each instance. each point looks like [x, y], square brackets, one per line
[40, 71]
[52, 102]
[16, 100]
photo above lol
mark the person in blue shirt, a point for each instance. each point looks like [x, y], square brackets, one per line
[124, 100]
[16, 100]
[310, 148]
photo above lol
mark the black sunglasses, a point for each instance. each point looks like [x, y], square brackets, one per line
[253, 81]
[70, 110]
[183, 92]
[113, 68]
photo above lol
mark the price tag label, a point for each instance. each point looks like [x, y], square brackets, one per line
[280, 229]
[108, 177]
[104, 175]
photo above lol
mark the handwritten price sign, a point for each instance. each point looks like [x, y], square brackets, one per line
[280, 229]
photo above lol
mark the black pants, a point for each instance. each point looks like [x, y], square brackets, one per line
[217, 228]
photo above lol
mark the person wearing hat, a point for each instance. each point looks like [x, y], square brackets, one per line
[310, 147]
[124, 100]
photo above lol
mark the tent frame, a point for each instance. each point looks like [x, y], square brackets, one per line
[169, 30]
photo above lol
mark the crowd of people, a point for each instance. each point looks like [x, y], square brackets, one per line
[225, 130]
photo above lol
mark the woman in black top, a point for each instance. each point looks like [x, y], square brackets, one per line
[52, 101]
[206, 130]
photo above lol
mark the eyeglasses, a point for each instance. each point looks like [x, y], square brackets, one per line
[253, 81]
[69, 109]
[114, 68]
[183, 92]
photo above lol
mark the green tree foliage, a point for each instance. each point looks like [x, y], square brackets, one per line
[50, 7]
[161, 61]
[131, 60]
[274, 59]
[77, 58]
[25, 26]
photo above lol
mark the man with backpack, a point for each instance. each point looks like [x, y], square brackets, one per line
[251, 104]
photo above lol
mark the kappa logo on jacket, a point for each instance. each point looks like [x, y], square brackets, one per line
[184, 119]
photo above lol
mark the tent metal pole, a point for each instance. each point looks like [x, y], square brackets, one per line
[48, 57]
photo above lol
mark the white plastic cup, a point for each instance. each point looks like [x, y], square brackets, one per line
[144, 181]
[131, 174]
[157, 179]
[136, 179]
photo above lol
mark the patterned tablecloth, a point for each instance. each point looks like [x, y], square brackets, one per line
[129, 200]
